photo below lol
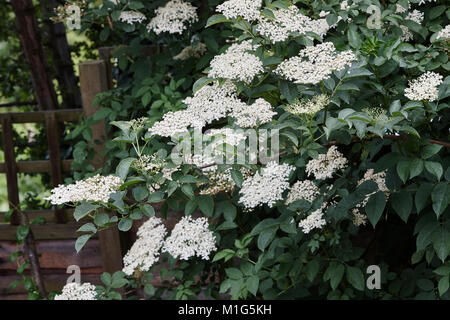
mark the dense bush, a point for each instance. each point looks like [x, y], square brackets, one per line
[358, 92]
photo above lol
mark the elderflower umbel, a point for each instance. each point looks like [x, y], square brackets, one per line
[209, 103]
[249, 116]
[131, 17]
[236, 63]
[76, 291]
[305, 190]
[415, 16]
[247, 9]
[315, 63]
[190, 237]
[380, 179]
[400, 9]
[444, 34]
[145, 251]
[173, 17]
[326, 164]
[288, 22]
[313, 220]
[97, 189]
[221, 181]
[424, 87]
[267, 187]
[310, 107]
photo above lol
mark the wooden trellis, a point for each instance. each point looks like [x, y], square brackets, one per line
[60, 224]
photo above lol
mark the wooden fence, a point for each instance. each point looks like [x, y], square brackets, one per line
[55, 239]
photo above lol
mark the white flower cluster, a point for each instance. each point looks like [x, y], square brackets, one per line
[305, 190]
[195, 51]
[221, 181]
[131, 17]
[97, 189]
[415, 16]
[237, 63]
[290, 21]
[310, 107]
[359, 219]
[173, 17]
[315, 63]
[213, 102]
[247, 9]
[190, 238]
[210, 103]
[426, 87]
[444, 34]
[345, 6]
[421, 2]
[76, 291]
[249, 116]
[326, 164]
[219, 138]
[313, 220]
[267, 187]
[400, 9]
[380, 179]
[145, 251]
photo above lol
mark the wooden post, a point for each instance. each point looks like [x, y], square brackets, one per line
[51, 125]
[11, 169]
[94, 80]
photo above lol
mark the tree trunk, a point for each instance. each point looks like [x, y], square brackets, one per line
[34, 52]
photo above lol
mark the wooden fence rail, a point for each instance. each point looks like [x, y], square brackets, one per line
[60, 226]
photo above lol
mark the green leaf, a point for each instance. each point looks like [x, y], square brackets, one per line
[148, 210]
[266, 223]
[265, 237]
[443, 285]
[214, 19]
[355, 277]
[234, 273]
[403, 170]
[441, 243]
[375, 207]
[156, 197]
[252, 284]
[83, 209]
[289, 90]
[430, 150]
[190, 207]
[206, 204]
[415, 167]
[439, 198]
[237, 178]
[187, 190]
[312, 269]
[123, 167]
[200, 83]
[149, 289]
[402, 204]
[227, 225]
[125, 224]
[422, 195]
[353, 36]
[223, 255]
[106, 279]
[434, 168]
[334, 273]
[88, 227]
[140, 193]
[81, 241]
[22, 232]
